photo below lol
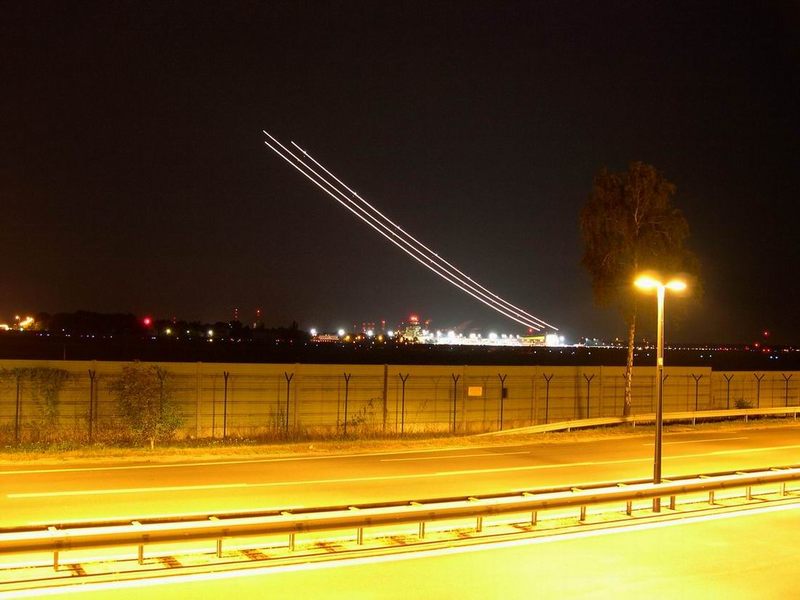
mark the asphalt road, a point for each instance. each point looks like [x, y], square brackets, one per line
[60, 493]
[749, 554]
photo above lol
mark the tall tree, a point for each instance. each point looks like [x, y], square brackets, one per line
[629, 224]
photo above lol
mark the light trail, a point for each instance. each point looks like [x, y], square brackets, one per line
[401, 243]
[431, 254]
[408, 244]
[355, 209]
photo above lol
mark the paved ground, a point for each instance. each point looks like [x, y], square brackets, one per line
[58, 493]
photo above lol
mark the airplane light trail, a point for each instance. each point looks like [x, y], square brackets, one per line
[400, 238]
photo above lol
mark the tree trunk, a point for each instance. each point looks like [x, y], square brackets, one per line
[626, 407]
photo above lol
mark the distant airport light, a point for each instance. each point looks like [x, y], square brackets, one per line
[313, 332]
[340, 333]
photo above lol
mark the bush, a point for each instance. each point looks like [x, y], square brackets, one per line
[742, 403]
[145, 403]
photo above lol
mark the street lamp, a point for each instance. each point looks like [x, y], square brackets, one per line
[647, 283]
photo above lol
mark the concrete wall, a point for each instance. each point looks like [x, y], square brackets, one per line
[266, 399]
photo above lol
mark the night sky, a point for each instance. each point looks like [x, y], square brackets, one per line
[133, 174]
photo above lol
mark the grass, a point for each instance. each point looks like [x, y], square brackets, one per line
[63, 451]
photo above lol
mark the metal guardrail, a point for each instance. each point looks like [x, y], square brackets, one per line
[137, 533]
[693, 416]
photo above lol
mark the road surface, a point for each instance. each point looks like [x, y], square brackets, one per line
[59, 493]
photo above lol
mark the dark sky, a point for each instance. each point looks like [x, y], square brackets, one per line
[133, 176]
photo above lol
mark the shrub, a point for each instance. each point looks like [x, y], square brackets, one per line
[742, 403]
[146, 407]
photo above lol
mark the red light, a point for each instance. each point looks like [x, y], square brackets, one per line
[413, 319]
[147, 321]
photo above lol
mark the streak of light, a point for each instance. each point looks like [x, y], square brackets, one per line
[382, 229]
[426, 257]
[423, 246]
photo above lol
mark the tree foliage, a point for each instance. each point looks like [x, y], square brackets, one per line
[144, 398]
[629, 224]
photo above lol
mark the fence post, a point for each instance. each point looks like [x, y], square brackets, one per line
[502, 396]
[758, 388]
[289, 377]
[18, 410]
[225, 375]
[728, 390]
[347, 377]
[403, 380]
[198, 393]
[455, 392]
[588, 391]
[547, 397]
[385, 395]
[786, 386]
[92, 375]
[697, 379]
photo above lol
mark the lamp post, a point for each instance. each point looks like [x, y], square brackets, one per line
[647, 283]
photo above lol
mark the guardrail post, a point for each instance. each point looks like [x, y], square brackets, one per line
[291, 542]
[360, 536]
[583, 513]
[711, 497]
[219, 540]
[748, 493]
[479, 524]
[672, 502]
[422, 530]
[140, 552]
[55, 553]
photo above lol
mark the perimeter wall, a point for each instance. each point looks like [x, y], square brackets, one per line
[251, 400]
